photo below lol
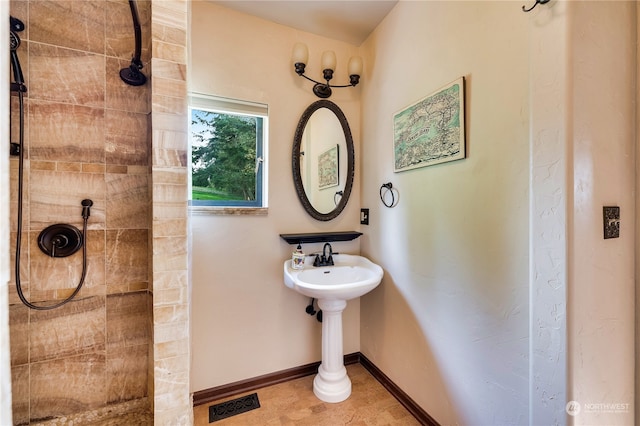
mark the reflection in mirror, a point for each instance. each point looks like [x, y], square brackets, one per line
[322, 160]
[322, 172]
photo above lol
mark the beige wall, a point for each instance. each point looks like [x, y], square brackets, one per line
[601, 143]
[548, 41]
[449, 324]
[457, 253]
[582, 138]
[245, 321]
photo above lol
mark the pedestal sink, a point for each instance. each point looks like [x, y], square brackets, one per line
[351, 276]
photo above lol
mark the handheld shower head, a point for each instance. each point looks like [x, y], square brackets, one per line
[86, 208]
[16, 26]
[14, 40]
[18, 77]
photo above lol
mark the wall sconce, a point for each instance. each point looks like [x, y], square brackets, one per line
[328, 62]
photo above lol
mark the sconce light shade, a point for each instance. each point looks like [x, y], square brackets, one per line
[328, 60]
[328, 63]
[355, 69]
[300, 53]
[355, 65]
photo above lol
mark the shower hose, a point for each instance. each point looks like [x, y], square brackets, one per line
[19, 232]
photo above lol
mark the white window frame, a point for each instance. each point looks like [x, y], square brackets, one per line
[222, 105]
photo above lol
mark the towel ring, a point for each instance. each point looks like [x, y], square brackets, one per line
[524, 9]
[340, 193]
[388, 188]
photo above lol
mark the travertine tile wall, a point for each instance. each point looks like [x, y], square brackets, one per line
[87, 136]
[172, 402]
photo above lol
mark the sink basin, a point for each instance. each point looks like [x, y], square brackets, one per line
[351, 276]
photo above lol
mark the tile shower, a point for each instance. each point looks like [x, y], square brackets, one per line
[87, 135]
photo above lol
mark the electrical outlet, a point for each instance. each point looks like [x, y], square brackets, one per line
[611, 221]
[364, 216]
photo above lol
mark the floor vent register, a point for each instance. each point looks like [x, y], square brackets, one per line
[235, 406]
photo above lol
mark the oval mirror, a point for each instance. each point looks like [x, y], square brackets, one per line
[323, 160]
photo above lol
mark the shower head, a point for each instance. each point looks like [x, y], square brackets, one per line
[132, 75]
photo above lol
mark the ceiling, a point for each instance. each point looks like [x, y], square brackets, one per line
[350, 21]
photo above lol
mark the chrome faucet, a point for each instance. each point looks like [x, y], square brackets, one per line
[324, 260]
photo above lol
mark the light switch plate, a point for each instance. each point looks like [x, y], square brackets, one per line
[611, 221]
[364, 216]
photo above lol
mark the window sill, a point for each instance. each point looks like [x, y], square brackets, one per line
[228, 211]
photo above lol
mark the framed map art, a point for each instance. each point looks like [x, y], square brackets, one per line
[430, 131]
[328, 167]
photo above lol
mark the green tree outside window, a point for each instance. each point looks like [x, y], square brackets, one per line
[224, 156]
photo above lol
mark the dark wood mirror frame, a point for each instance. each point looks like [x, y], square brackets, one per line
[295, 160]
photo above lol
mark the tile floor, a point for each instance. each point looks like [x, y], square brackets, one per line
[130, 413]
[293, 403]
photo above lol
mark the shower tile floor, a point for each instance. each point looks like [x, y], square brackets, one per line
[293, 403]
[129, 413]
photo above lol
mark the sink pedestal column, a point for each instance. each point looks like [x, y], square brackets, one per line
[332, 383]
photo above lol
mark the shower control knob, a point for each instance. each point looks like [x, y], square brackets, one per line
[60, 240]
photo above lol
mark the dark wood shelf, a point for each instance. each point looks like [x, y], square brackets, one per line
[320, 237]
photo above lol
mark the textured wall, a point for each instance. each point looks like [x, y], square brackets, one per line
[450, 322]
[459, 283]
[602, 142]
[550, 161]
[86, 137]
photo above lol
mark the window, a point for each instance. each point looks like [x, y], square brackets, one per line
[228, 140]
